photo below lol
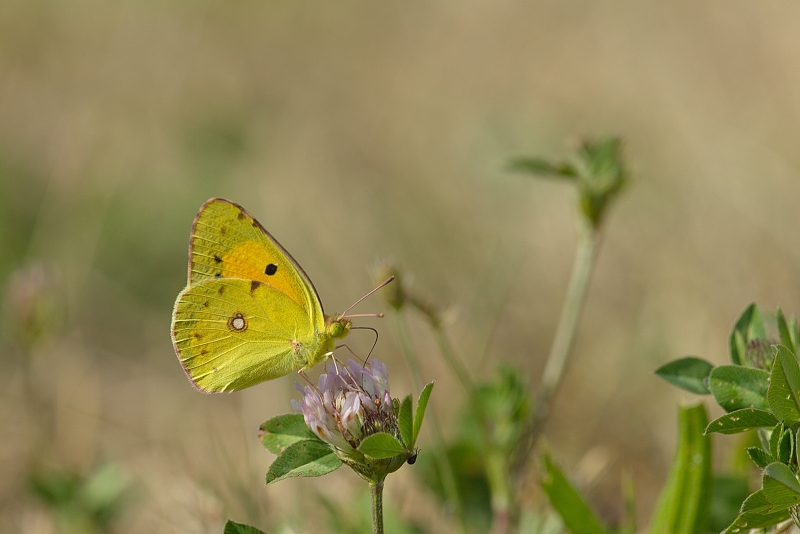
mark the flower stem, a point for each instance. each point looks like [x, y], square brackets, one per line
[445, 348]
[565, 331]
[496, 464]
[376, 492]
[439, 450]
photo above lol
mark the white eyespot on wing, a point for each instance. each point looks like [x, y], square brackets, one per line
[237, 323]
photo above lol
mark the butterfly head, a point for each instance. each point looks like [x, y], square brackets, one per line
[337, 326]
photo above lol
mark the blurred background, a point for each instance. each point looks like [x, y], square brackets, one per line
[358, 132]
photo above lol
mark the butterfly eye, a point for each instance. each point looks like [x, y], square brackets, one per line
[338, 330]
[237, 323]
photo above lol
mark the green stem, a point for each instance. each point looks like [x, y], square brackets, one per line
[376, 492]
[496, 464]
[439, 450]
[567, 325]
[444, 345]
[565, 331]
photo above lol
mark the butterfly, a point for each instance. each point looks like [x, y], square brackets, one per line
[249, 312]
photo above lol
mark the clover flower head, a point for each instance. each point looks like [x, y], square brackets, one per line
[349, 403]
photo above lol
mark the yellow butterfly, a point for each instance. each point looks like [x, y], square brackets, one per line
[249, 312]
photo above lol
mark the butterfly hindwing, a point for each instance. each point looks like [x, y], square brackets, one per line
[227, 242]
[233, 333]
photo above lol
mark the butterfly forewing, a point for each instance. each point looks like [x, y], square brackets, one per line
[227, 242]
[233, 333]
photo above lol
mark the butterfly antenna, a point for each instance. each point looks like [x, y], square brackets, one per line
[385, 282]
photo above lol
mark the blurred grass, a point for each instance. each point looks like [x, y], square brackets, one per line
[359, 131]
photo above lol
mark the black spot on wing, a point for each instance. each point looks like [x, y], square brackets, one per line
[217, 258]
[221, 289]
[254, 285]
[271, 269]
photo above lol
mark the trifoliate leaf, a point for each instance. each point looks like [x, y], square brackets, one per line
[780, 486]
[238, 528]
[419, 415]
[303, 459]
[382, 445]
[284, 430]
[735, 387]
[783, 394]
[689, 373]
[405, 422]
[759, 456]
[756, 512]
[741, 421]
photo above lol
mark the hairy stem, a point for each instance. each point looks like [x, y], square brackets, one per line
[567, 326]
[565, 333]
[376, 492]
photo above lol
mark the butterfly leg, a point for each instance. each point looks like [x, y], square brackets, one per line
[302, 373]
[344, 345]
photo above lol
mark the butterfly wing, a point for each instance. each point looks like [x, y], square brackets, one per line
[232, 333]
[227, 242]
[249, 313]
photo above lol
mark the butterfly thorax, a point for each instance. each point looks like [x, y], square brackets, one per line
[318, 348]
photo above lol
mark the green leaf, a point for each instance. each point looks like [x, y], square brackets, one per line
[759, 456]
[382, 445]
[780, 486]
[736, 387]
[541, 167]
[749, 326]
[422, 405]
[738, 348]
[577, 516]
[303, 459]
[628, 525]
[796, 444]
[683, 507]
[756, 512]
[774, 439]
[783, 394]
[284, 430]
[785, 446]
[726, 500]
[785, 332]
[688, 373]
[405, 421]
[741, 421]
[239, 528]
[794, 332]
